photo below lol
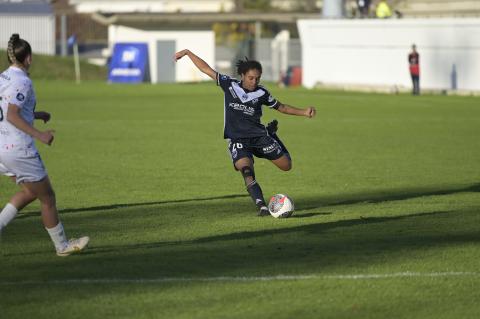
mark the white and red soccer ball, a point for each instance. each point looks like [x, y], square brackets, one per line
[281, 206]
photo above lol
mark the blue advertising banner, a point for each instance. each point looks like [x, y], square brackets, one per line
[129, 63]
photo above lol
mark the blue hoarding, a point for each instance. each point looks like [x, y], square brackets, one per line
[129, 63]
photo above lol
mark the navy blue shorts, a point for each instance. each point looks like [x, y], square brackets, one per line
[262, 147]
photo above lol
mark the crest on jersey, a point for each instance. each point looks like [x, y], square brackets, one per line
[20, 97]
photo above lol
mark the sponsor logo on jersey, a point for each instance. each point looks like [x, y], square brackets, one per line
[20, 97]
[224, 77]
[270, 148]
[248, 110]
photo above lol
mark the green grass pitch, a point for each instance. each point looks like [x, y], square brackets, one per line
[387, 191]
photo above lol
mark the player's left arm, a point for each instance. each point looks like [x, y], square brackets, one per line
[44, 116]
[292, 110]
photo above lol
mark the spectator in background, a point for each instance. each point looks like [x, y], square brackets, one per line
[363, 8]
[383, 10]
[414, 67]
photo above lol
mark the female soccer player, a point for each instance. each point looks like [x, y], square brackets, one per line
[19, 157]
[246, 135]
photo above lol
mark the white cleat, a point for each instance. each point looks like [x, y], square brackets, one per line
[74, 246]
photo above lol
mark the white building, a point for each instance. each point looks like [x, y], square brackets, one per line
[162, 46]
[152, 6]
[169, 6]
[33, 20]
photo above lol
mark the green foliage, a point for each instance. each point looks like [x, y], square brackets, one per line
[258, 5]
[383, 185]
[59, 68]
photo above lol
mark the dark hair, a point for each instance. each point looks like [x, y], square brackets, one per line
[243, 66]
[18, 49]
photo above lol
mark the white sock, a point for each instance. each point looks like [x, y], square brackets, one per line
[57, 234]
[8, 213]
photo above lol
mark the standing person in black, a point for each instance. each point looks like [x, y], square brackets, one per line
[246, 135]
[414, 68]
[364, 8]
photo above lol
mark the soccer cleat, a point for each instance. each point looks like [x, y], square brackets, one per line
[263, 211]
[272, 127]
[74, 246]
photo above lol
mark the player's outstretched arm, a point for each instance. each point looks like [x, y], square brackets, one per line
[199, 63]
[13, 116]
[292, 110]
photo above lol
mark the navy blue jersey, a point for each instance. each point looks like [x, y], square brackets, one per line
[243, 108]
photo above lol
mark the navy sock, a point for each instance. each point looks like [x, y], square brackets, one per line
[256, 193]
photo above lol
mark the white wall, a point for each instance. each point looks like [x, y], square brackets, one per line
[39, 31]
[129, 6]
[201, 43]
[374, 52]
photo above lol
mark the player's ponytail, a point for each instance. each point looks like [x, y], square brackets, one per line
[17, 49]
[243, 66]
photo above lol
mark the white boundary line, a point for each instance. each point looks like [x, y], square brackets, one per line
[239, 279]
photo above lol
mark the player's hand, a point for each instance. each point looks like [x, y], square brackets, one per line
[47, 137]
[180, 54]
[44, 116]
[310, 112]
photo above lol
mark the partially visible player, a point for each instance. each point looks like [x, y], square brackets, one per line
[19, 158]
[246, 135]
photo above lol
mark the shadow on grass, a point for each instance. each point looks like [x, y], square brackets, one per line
[117, 206]
[301, 205]
[317, 228]
[288, 248]
[319, 247]
[388, 196]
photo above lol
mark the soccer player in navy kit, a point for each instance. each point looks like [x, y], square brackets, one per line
[246, 135]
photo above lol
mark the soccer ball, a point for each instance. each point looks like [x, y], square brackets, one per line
[281, 206]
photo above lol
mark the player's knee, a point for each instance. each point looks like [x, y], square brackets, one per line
[246, 171]
[287, 166]
[248, 175]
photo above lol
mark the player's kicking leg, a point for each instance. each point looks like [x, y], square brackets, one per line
[284, 162]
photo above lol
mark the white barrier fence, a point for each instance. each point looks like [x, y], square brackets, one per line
[374, 52]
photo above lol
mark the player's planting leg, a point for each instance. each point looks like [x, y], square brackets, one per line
[254, 190]
[44, 191]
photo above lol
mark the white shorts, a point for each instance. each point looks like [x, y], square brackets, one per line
[25, 166]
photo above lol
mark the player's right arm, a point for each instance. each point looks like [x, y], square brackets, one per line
[14, 117]
[199, 63]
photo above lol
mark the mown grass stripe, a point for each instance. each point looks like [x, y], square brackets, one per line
[240, 278]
